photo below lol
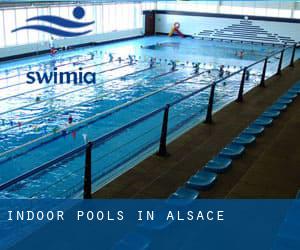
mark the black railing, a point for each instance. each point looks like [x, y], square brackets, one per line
[162, 151]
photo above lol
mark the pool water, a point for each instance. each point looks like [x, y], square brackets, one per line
[34, 127]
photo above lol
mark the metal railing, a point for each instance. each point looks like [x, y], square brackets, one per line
[162, 150]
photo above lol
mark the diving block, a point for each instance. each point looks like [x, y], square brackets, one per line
[218, 164]
[232, 151]
[202, 180]
[132, 241]
[244, 139]
[254, 130]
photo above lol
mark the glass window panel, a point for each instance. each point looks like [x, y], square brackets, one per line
[33, 35]
[99, 19]
[9, 25]
[22, 35]
[285, 13]
[2, 37]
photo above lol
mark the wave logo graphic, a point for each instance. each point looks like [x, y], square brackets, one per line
[78, 13]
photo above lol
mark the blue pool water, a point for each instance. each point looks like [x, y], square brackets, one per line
[34, 132]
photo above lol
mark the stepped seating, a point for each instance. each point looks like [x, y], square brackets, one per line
[246, 30]
[206, 178]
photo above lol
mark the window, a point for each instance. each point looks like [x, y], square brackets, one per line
[22, 35]
[9, 25]
[34, 35]
[2, 39]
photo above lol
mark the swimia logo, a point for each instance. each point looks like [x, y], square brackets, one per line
[78, 13]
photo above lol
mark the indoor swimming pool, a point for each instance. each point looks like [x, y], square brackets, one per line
[42, 122]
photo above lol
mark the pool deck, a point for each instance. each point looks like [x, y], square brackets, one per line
[269, 169]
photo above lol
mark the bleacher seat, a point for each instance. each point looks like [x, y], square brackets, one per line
[278, 106]
[271, 114]
[232, 151]
[254, 130]
[218, 164]
[185, 193]
[202, 180]
[263, 121]
[289, 96]
[286, 101]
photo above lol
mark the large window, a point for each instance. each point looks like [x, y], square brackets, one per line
[278, 8]
[108, 17]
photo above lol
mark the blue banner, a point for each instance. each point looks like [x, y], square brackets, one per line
[149, 224]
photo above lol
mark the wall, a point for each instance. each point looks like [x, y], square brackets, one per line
[258, 29]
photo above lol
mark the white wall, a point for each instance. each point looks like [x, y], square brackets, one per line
[29, 48]
[192, 25]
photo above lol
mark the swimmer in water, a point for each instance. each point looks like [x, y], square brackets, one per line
[173, 63]
[130, 58]
[196, 67]
[247, 76]
[111, 58]
[241, 55]
[221, 71]
[92, 56]
[70, 119]
[151, 62]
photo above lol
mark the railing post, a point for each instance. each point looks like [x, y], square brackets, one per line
[241, 90]
[280, 63]
[164, 133]
[293, 55]
[263, 75]
[210, 104]
[87, 192]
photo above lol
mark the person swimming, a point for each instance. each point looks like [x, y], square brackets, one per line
[247, 76]
[173, 63]
[221, 71]
[111, 58]
[152, 61]
[130, 58]
[70, 119]
[196, 67]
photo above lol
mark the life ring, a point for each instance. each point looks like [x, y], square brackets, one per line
[176, 25]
